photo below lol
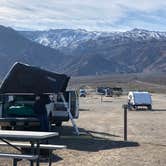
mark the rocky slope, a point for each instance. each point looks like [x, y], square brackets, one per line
[14, 47]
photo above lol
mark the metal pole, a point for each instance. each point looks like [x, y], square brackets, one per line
[125, 122]
[50, 157]
[14, 162]
[38, 153]
[32, 151]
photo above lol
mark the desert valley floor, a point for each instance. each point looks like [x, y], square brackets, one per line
[101, 140]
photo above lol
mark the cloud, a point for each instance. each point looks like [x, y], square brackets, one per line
[105, 15]
[143, 5]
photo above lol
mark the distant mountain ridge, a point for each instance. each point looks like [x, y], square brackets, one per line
[135, 51]
[69, 38]
[14, 47]
[79, 52]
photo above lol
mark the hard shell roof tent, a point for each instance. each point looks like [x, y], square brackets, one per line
[23, 78]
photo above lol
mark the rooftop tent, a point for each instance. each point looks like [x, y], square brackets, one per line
[23, 78]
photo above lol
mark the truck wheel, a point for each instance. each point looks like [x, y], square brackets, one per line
[58, 124]
[129, 107]
[150, 107]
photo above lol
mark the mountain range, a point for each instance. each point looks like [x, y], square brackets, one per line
[90, 53]
[80, 52]
[69, 38]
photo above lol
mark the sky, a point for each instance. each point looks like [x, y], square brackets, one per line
[92, 15]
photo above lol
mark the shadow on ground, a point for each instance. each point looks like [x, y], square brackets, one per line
[90, 132]
[159, 110]
[55, 158]
[107, 101]
[142, 109]
[88, 141]
[84, 109]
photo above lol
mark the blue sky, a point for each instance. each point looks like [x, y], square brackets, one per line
[92, 15]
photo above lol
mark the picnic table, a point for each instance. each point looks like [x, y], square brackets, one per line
[35, 138]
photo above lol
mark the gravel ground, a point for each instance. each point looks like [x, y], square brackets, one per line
[101, 140]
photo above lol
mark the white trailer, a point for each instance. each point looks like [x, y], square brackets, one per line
[137, 99]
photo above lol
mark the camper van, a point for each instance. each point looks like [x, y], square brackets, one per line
[137, 99]
[16, 111]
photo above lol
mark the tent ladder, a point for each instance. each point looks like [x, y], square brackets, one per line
[70, 115]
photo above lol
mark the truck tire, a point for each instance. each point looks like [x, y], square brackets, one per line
[59, 123]
[130, 108]
[149, 107]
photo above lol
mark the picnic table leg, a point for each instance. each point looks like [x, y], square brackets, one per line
[50, 157]
[14, 162]
[38, 153]
[32, 151]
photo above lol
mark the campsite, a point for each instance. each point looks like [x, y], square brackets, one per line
[101, 126]
[82, 83]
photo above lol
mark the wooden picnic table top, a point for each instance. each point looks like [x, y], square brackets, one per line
[28, 135]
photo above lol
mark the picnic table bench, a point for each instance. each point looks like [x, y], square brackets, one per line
[35, 139]
[16, 157]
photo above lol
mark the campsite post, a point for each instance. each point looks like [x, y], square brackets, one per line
[125, 122]
[101, 98]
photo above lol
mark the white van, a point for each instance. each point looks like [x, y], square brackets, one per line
[136, 99]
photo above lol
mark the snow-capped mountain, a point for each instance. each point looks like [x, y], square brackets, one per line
[79, 52]
[71, 39]
[61, 38]
[88, 53]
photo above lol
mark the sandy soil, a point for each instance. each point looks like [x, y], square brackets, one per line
[101, 140]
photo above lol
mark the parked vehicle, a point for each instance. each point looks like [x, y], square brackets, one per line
[100, 90]
[137, 99]
[108, 92]
[18, 113]
[18, 91]
[117, 91]
[82, 93]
